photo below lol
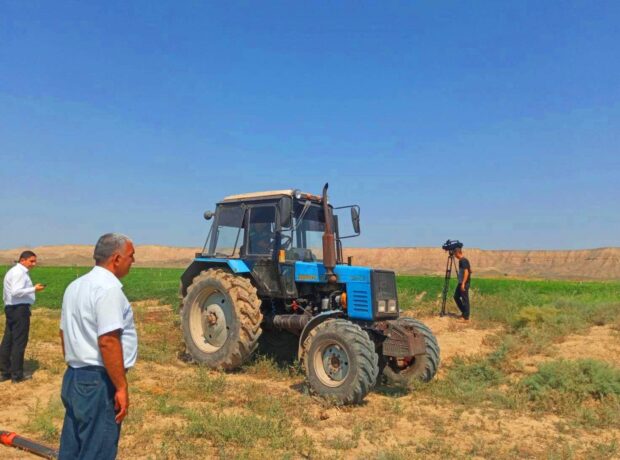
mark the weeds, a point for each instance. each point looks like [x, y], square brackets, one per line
[562, 382]
[239, 429]
[46, 420]
[468, 381]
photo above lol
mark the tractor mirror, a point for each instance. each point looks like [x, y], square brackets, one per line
[208, 215]
[355, 221]
[355, 218]
[286, 210]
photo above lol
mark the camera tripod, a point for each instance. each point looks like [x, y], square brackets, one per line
[446, 284]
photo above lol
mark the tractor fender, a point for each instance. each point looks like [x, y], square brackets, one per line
[204, 263]
[314, 322]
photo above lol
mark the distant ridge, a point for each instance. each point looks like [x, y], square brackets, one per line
[586, 264]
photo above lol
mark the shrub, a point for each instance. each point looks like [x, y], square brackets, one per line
[563, 383]
[468, 380]
[535, 316]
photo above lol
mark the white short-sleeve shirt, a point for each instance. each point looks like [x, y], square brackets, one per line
[94, 305]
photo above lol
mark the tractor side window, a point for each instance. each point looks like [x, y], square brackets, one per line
[307, 235]
[229, 235]
[313, 236]
[262, 230]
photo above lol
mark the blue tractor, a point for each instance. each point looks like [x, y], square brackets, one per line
[272, 270]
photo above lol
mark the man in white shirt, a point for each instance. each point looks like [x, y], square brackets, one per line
[18, 295]
[100, 344]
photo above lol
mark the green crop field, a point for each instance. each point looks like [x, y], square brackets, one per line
[507, 301]
[141, 283]
[422, 292]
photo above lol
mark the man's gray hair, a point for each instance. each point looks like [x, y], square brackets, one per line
[108, 245]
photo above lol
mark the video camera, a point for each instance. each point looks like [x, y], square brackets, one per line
[451, 245]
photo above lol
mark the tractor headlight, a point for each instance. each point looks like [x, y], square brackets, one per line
[391, 305]
[381, 306]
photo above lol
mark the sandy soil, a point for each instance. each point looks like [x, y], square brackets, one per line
[600, 342]
[603, 264]
[406, 420]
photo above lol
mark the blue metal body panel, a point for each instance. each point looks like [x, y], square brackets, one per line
[236, 265]
[356, 279]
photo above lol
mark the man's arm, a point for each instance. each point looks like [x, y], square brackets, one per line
[62, 342]
[16, 285]
[465, 278]
[112, 355]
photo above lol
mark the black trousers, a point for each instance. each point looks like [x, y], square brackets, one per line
[15, 340]
[462, 299]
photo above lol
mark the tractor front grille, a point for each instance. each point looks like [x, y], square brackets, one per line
[384, 290]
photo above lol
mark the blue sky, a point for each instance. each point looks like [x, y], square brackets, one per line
[493, 122]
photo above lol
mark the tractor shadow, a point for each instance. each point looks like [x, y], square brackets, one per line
[392, 391]
[280, 347]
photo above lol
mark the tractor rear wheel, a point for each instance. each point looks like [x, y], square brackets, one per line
[421, 367]
[340, 361]
[221, 319]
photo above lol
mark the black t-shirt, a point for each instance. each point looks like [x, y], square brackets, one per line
[464, 264]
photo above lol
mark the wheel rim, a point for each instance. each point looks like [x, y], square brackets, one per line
[402, 365]
[210, 317]
[331, 362]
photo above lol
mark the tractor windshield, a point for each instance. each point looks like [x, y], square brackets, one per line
[306, 234]
[229, 231]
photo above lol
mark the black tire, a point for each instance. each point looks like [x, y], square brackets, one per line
[228, 343]
[420, 368]
[356, 366]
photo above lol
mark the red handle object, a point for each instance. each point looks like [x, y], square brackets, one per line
[14, 440]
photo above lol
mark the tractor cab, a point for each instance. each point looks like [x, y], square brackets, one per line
[277, 238]
[283, 225]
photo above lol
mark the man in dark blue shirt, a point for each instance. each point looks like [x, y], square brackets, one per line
[461, 294]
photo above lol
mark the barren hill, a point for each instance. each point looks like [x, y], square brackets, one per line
[586, 264]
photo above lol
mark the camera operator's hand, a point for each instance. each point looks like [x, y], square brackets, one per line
[463, 287]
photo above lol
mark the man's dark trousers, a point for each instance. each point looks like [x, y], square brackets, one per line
[462, 300]
[89, 430]
[15, 339]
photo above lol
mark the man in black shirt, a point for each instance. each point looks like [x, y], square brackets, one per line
[461, 294]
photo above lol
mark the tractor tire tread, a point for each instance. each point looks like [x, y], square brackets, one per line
[247, 306]
[433, 353]
[365, 352]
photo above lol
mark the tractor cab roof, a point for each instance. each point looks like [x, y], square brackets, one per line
[270, 195]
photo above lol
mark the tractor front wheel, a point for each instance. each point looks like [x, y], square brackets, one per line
[221, 319]
[341, 362]
[421, 367]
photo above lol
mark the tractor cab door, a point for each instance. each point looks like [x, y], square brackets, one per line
[261, 248]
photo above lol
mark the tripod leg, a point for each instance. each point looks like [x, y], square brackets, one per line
[446, 285]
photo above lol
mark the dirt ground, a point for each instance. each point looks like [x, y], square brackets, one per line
[389, 425]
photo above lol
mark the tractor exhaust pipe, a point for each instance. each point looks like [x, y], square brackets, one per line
[14, 440]
[329, 241]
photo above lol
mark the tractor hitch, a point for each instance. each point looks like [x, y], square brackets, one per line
[402, 342]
